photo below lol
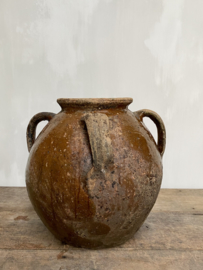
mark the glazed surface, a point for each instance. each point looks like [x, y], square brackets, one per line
[86, 213]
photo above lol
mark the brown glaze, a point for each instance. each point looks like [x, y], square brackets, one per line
[95, 171]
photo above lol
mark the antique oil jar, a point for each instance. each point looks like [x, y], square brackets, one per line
[95, 171]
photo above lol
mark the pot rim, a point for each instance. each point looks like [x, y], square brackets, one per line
[94, 102]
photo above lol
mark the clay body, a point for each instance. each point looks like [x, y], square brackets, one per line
[95, 171]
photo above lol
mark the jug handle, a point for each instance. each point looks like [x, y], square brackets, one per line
[98, 131]
[161, 144]
[31, 128]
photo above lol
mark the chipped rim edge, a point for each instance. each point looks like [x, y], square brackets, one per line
[94, 102]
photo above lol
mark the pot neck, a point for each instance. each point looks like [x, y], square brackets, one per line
[94, 103]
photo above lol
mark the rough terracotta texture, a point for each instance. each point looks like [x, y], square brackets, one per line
[95, 171]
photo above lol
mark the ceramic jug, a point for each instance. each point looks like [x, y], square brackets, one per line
[94, 172]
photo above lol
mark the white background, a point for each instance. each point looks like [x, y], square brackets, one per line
[150, 50]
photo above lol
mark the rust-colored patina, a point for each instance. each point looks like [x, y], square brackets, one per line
[95, 171]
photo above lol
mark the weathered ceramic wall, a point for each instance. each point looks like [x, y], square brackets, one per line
[151, 50]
